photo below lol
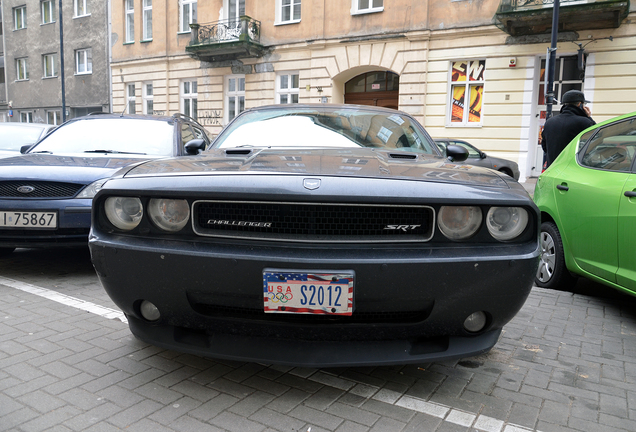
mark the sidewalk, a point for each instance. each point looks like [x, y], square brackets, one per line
[529, 184]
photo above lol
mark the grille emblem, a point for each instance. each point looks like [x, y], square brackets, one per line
[311, 183]
[26, 189]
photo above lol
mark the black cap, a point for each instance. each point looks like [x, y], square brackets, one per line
[573, 96]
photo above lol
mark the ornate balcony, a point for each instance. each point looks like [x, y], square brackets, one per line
[226, 40]
[533, 17]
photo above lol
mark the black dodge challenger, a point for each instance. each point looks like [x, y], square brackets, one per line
[318, 236]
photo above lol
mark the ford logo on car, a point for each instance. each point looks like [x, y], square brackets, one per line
[26, 189]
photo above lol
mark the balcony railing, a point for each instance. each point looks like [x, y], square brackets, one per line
[532, 17]
[226, 39]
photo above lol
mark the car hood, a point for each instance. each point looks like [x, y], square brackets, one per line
[67, 168]
[341, 162]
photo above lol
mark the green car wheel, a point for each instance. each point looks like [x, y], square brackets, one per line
[552, 272]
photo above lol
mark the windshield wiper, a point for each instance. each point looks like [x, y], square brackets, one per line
[42, 151]
[112, 152]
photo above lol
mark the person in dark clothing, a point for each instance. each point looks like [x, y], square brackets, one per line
[560, 130]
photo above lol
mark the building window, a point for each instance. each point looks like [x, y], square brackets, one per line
[234, 96]
[366, 6]
[80, 8]
[147, 95]
[48, 11]
[189, 98]
[187, 14]
[19, 17]
[131, 101]
[289, 11]
[147, 16]
[84, 61]
[466, 92]
[287, 88]
[54, 117]
[48, 65]
[21, 69]
[129, 8]
[26, 116]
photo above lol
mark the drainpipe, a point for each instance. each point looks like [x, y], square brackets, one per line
[62, 63]
[552, 60]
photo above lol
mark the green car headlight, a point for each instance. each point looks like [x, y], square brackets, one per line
[124, 212]
[506, 223]
[459, 222]
[169, 214]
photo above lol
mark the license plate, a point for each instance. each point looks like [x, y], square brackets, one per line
[322, 293]
[21, 219]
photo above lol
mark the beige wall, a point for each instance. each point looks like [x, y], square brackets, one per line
[351, 45]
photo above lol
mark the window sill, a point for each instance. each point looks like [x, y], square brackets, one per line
[22, 80]
[81, 16]
[367, 11]
[83, 73]
[464, 125]
[47, 23]
[128, 43]
[183, 33]
[49, 77]
[23, 28]
[287, 22]
[145, 40]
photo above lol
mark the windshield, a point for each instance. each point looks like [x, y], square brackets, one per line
[112, 135]
[328, 127]
[14, 137]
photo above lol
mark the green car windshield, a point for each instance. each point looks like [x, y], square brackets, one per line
[311, 127]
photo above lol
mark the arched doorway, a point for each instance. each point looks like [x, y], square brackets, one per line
[379, 88]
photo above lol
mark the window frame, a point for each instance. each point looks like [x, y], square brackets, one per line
[146, 20]
[192, 17]
[189, 98]
[29, 116]
[288, 91]
[129, 21]
[53, 65]
[51, 6]
[131, 108]
[357, 10]
[88, 55]
[147, 98]
[468, 84]
[235, 94]
[24, 76]
[57, 115]
[84, 6]
[293, 4]
[21, 10]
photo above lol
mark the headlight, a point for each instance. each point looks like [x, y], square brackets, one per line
[459, 222]
[89, 191]
[169, 214]
[506, 223]
[124, 212]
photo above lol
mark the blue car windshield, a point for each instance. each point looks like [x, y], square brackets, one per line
[110, 135]
[328, 127]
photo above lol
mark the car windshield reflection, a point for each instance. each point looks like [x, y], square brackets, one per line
[114, 135]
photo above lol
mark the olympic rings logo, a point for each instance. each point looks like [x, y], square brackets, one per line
[280, 297]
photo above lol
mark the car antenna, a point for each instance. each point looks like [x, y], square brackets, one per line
[125, 108]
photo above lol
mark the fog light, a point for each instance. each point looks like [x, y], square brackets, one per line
[475, 322]
[149, 311]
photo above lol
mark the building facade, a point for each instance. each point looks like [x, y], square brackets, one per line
[466, 69]
[32, 72]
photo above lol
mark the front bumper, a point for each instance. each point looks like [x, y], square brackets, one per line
[409, 305]
[74, 222]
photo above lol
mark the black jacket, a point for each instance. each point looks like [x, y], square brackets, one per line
[560, 130]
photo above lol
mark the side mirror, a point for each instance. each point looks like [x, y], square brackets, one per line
[25, 148]
[482, 155]
[456, 153]
[193, 147]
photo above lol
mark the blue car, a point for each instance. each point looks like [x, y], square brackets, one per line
[46, 193]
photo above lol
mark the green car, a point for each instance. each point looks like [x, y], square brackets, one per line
[587, 199]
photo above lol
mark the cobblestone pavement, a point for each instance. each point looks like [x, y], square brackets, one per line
[567, 362]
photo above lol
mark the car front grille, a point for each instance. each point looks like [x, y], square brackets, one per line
[317, 222]
[40, 189]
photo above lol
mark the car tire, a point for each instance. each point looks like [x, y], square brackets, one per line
[6, 251]
[552, 272]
